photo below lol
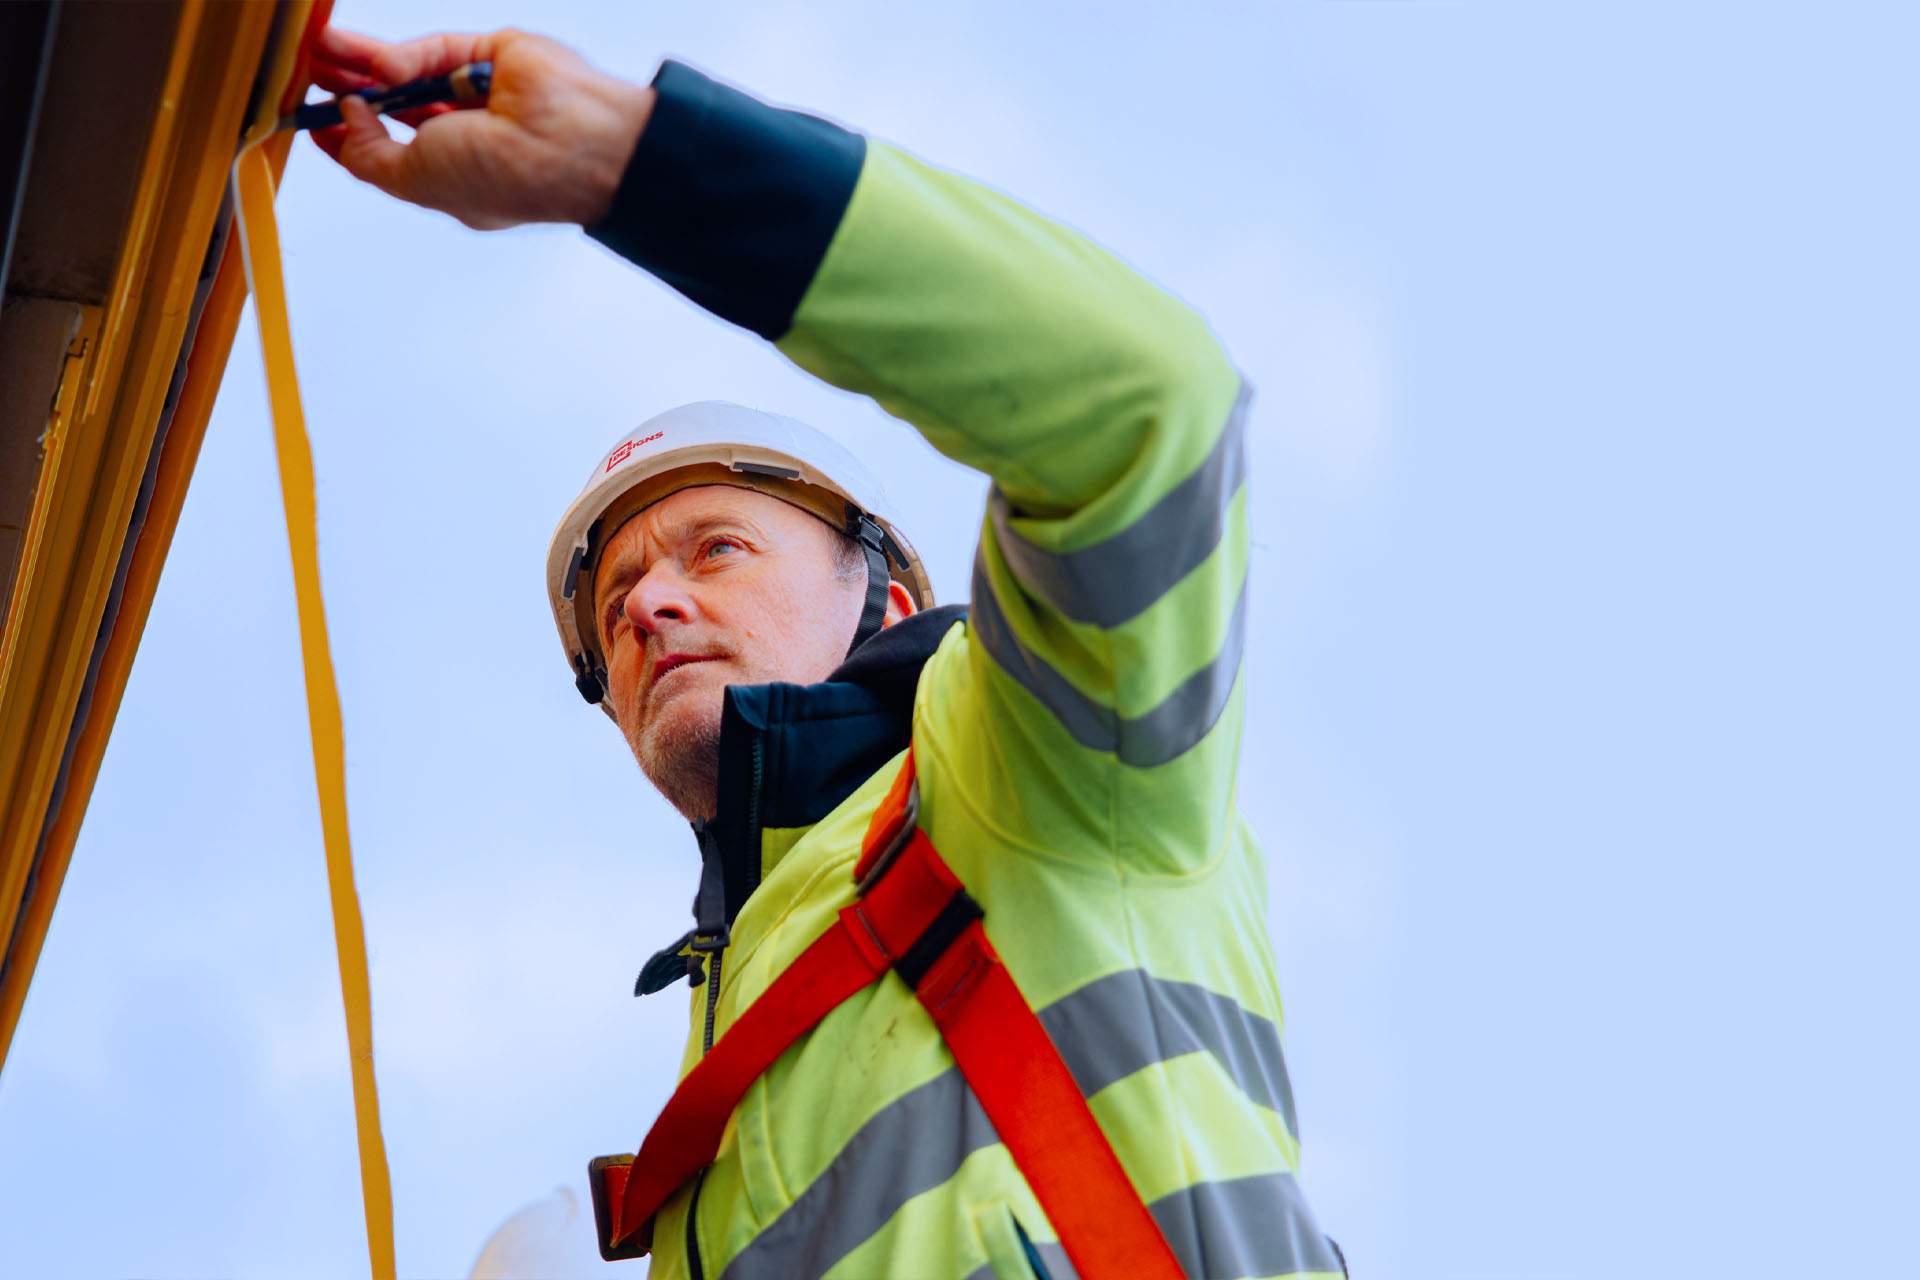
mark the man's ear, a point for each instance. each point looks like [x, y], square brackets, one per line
[899, 605]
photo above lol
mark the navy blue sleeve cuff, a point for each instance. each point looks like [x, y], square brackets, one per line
[731, 201]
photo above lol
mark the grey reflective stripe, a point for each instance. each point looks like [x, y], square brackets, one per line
[1165, 733]
[1258, 1226]
[913, 1144]
[1115, 1025]
[1091, 724]
[1106, 1030]
[1112, 581]
[1188, 713]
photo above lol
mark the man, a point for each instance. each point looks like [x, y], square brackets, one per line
[731, 590]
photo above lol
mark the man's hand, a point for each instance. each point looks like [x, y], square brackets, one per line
[550, 145]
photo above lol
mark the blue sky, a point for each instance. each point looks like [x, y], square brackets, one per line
[1581, 680]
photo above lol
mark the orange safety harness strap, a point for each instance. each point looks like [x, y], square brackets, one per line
[915, 917]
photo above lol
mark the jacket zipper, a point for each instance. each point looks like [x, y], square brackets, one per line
[753, 803]
[694, 1267]
[695, 1270]
[713, 998]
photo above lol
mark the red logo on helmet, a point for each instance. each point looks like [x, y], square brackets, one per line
[621, 454]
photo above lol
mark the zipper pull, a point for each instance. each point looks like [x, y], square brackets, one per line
[668, 965]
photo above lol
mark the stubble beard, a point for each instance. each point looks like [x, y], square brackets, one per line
[678, 748]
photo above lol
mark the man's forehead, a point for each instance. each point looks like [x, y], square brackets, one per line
[698, 505]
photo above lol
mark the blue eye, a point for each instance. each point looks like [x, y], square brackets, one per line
[718, 545]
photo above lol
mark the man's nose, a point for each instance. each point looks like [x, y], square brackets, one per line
[660, 596]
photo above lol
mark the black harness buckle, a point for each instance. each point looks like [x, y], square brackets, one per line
[607, 1181]
[961, 910]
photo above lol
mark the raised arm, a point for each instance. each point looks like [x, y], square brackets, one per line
[1108, 596]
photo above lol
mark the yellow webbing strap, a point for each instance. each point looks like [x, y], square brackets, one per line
[260, 242]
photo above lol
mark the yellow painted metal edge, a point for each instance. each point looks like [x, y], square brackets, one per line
[212, 340]
[75, 377]
[88, 502]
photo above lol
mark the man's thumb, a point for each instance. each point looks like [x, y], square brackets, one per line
[366, 151]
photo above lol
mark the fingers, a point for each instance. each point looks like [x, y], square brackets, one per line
[348, 50]
[330, 140]
[534, 154]
[420, 115]
[363, 147]
[430, 56]
[338, 80]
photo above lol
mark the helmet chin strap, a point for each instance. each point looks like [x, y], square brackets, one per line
[874, 614]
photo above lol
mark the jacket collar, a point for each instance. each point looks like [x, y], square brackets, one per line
[789, 754]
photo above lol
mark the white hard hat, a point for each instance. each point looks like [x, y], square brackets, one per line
[713, 442]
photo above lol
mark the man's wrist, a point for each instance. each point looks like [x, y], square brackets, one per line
[623, 110]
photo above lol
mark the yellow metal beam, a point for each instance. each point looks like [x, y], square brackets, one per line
[63, 424]
[106, 423]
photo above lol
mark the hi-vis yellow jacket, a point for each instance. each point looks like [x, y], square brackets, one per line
[1075, 732]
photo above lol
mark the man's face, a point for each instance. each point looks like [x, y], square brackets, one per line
[708, 587]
